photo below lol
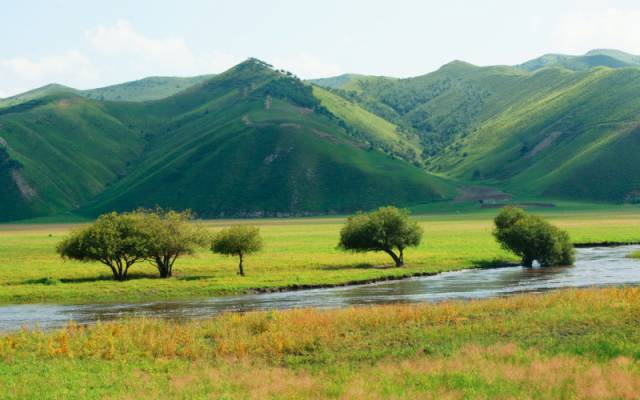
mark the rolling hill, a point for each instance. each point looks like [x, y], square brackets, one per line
[60, 151]
[592, 59]
[151, 88]
[251, 141]
[552, 132]
[256, 141]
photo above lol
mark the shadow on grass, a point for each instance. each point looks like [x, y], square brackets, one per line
[192, 278]
[494, 263]
[355, 266]
[54, 281]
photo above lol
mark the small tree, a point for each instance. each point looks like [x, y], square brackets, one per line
[238, 241]
[385, 229]
[115, 240]
[532, 238]
[172, 235]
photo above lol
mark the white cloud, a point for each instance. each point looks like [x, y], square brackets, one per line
[166, 55]
[307, 66]
[608, 28]
[71, 68]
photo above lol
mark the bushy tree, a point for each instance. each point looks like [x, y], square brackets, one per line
[115, 240]
[532, 238]
[386, 229]
[238, 240]
[172, 234]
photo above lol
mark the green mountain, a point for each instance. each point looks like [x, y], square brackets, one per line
[59, 151]
[255, 141]
[36, 94]
[151, 88]
[551, 132]
[348, 81]
[576, 137]
[436, 108]
[251, 141]
[594, 58]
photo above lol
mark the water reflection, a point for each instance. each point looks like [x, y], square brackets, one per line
[594, 267]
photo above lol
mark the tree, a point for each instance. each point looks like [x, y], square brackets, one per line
[532, 238]
[237, 240]
[172, 235]
[115, 240]
[386, 229]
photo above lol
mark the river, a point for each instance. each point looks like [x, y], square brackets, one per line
[597, 266]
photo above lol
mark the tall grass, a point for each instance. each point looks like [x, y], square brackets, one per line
[567, 344]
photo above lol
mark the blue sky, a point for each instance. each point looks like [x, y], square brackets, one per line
[89, 43]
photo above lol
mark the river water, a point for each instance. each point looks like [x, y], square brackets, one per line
[598, 266]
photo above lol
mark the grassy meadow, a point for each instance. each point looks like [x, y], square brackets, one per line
[297, 252]
[571, 344]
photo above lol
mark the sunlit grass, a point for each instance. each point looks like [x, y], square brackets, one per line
[297, 252]
[566, 344]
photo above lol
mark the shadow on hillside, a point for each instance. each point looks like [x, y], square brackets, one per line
[354, 266]
[494, 263]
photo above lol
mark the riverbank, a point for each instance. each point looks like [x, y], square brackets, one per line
[565, 344]
[298, 254]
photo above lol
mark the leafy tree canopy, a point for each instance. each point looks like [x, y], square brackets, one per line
[532, 238]
[237, 240]
[387, 229]
[172, 235]
[116, 240]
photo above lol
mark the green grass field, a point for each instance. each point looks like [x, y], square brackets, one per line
[297, 252]
[575, 344]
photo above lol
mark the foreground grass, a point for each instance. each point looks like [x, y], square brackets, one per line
[566, 344]
[297, 252]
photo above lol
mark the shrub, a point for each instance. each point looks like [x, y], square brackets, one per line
[387, 229]
[532, 238]
[238, 241]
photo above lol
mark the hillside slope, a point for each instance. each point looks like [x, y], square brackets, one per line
[151, 88]
[592, 59]
[59, 151]
[549, 133]
[579, 140]
[252, 141]
[255, 142]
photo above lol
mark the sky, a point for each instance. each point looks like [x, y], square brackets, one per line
[87, 44]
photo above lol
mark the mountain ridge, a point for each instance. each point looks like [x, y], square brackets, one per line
[251, 141]
[258, 141]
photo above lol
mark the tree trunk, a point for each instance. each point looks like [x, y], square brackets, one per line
[164, 273]
[114, 271]
[241, 268]
[163, 267]
[119, 273]
[397, 260]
